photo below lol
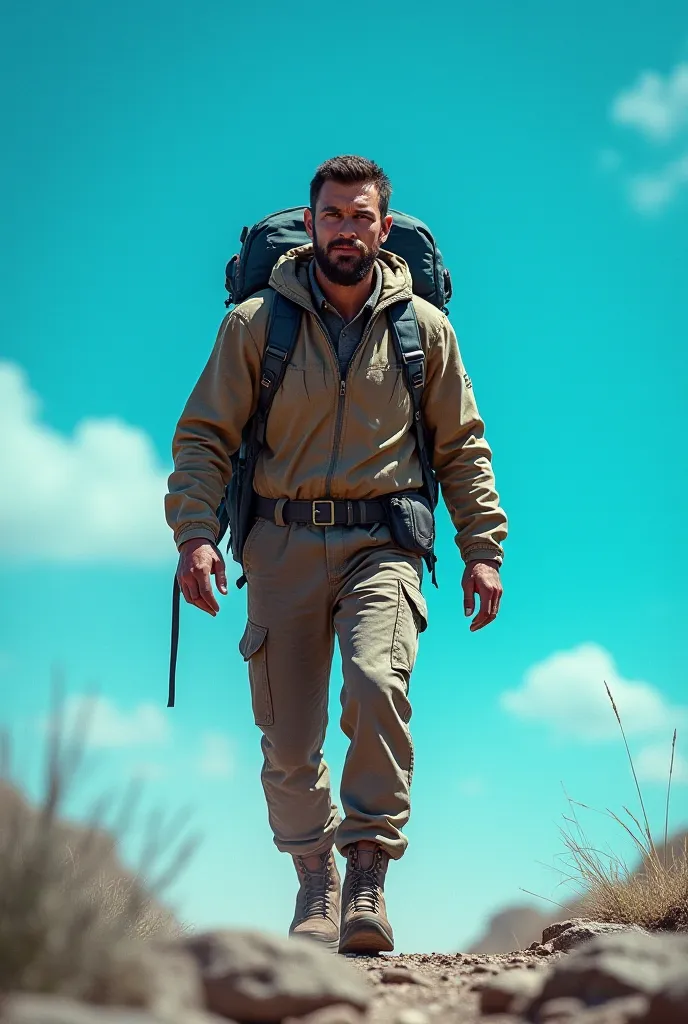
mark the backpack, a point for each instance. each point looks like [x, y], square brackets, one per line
[248, 272]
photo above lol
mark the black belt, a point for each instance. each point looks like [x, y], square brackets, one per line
[325, 512]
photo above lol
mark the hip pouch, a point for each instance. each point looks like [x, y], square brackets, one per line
[411, 522]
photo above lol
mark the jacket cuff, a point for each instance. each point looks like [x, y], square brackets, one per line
[193, 533]
[482, 553]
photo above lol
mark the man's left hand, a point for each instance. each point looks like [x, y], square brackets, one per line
[482, 577]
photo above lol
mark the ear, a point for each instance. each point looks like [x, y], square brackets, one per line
[386, 228]
[308, 222]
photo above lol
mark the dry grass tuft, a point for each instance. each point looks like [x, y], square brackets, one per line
[66, 904]
[655, 895]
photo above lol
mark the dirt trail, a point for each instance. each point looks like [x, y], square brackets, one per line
[440, 986]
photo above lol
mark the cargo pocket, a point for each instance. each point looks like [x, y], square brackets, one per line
[412, 619]
[253, 650]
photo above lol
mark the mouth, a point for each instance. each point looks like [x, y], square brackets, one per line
[345, 250]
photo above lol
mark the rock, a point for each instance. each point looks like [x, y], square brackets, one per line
[482, 969]
[576, 932]
[543, 951]
[553, 931]
[403, 976]
[630, 1010]
[411, 1016]
[340, 1014]
[44, 1009]
[252, 976]
[670, 1004]
[24, 1008]
[154, 975]
[509, 991]
[611, 966]
[559, 1011]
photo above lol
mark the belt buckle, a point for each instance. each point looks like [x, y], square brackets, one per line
[316, 520]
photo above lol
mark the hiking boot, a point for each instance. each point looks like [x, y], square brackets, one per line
[365, 928]
[318, 900]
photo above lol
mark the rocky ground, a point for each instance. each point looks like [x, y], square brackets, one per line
[581, 973]
[421, 988]
[578, 972]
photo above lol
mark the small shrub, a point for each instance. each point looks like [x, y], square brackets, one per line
[653, 895]
[63, 909]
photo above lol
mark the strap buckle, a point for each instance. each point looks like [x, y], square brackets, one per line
[316, 513]
[415, 362]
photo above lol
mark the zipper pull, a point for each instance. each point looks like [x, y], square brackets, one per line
[342, 389]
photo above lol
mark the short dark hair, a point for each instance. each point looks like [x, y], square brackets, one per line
[349, 170]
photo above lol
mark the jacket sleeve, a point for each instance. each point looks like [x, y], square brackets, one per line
[209, 432]
[462, 457]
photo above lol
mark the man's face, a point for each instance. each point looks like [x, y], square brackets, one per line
[347, 231]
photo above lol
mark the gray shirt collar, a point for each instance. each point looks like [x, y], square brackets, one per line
[321, 302]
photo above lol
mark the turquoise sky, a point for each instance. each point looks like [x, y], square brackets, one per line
[547, 146]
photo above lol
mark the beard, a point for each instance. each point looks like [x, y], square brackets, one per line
[341, 269]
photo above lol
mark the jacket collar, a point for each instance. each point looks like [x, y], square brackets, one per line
[290, 277]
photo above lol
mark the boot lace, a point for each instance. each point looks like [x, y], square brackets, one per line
[317, 885]
[365, 883]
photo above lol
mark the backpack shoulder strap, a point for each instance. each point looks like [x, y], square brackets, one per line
[406, 336]
[283, 330]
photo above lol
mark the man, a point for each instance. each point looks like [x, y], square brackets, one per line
[340, 427]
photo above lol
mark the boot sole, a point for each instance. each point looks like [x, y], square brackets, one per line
[366, 936]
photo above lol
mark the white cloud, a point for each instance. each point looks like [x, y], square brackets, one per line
[656, 106]
[652, 192]
[652, 764]
[566, 691]
[217, 759]
[96, 495]
[109, 727]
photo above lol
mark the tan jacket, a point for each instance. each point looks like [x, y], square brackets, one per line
[332, 438]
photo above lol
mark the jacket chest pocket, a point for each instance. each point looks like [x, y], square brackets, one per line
[379, 399]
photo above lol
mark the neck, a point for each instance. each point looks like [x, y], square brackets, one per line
[348, 300]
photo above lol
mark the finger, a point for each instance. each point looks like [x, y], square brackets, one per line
[195, 596]
[497, 604]
[487, 614]
[484, 619]
[185, 592]
[205, 593]
[468, 585]
[190, 589]
[220, 576]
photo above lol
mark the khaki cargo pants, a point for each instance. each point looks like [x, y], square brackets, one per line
[306, 584]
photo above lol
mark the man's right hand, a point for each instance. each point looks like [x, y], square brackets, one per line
[198, 561]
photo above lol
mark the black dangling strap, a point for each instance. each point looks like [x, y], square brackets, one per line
[174, 641]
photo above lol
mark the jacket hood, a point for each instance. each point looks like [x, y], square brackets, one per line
[290, 276]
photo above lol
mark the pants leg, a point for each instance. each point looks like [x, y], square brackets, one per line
[378, 615]
[288, 643]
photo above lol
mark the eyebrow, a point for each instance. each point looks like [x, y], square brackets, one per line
[337, 209]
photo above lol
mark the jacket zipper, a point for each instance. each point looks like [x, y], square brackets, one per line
[342, 399]
[342, 381]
